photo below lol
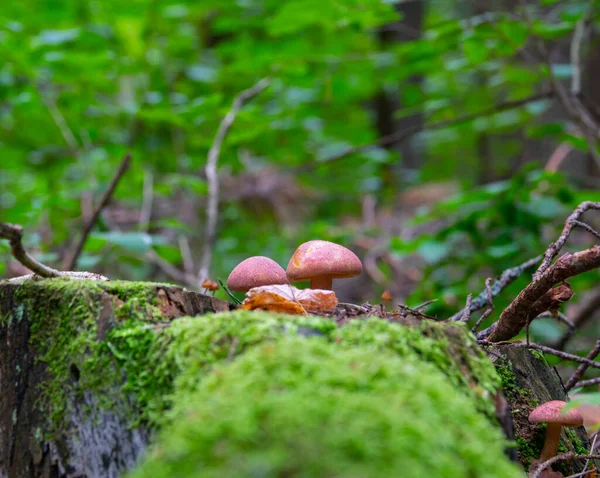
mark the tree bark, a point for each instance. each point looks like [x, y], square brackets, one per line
[103, 447]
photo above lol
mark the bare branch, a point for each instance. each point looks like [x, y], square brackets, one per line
[70, 260]
[587, 383]
[490, 309]
[588, 308]
[545, 349]
[587, 227]
[576, 41]
[171, 270]
[14, 234]
[506, 278]
[213, 177]
[467, 310]
[416, 128]
[538, 468]
[555, 247]
[59, 120]
[515, 317]
[582, 368]
[147, 199]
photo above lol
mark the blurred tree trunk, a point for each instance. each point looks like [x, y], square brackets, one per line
[388, 101]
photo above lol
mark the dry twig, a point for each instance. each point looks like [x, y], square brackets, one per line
[506, 278]
[213, 177]
[539, 468]
[570, 223]
[516, 316]
[70, 260]
[467, 310]
[588, 308]
[14, 234]
[490, 309]
[545, 349]
[582, 368]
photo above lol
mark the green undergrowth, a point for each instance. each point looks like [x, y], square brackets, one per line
[110, 339]
[315, 408]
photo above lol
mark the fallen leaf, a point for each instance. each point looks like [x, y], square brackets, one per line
[288, 299]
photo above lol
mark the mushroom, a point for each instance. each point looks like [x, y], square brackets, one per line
[256, 271]
[552, 414]
[321, 262]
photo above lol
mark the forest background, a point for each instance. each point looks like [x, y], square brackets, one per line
[442, 141]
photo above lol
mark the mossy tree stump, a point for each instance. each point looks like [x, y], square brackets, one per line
[46, 330]
[92, 372]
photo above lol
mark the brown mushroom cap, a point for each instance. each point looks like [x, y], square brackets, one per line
[551, 412]
[322, 258]
[255, 272]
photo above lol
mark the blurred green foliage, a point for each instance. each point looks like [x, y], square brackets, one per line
[83, 81]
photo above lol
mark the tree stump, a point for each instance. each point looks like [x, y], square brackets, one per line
[107, 445]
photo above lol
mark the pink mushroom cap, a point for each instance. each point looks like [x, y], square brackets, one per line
[256, 271]
[322, 258]
[552, 412]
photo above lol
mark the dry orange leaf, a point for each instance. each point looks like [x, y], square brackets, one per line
[288, 299]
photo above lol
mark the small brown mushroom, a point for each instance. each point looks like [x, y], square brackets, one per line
[210, 285]
[256, 271]
[552, 414]
[321, 262]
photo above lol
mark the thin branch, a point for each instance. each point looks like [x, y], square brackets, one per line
[70, 260]
[171, 270]
[186, 254]
[545, 349]
[540, 467]
[506, 278]
[14, 234]
[490, 309]
[213, 177]
[515, 317]
[588, 228]
[582, 368]
[576, 41]
[59, 120]
[467, 310]
[588, 309]
[587, 383]
[147, 199]
[555, 314]
[555, 247]
[416, 128]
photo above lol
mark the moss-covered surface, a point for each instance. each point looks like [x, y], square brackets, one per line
[312, 408]
[110, 339]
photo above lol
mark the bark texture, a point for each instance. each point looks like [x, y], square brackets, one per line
[102, 447]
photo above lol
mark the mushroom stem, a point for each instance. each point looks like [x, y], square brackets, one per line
[321, 282]
[552, 440]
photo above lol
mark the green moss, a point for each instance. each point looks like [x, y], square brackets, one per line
[161, 369]
[315, 408]
[538, 354]
[68, 338]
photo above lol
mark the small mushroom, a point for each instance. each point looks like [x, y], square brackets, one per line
[210, 285]
[321, 262]
[552, 414]
[256, 271]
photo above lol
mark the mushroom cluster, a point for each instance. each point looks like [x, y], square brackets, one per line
[316, 261]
